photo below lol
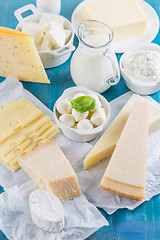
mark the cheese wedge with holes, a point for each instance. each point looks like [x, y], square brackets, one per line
[19, 57]
[107, 142]
[125, 17]
[51, 170]
[126, 171]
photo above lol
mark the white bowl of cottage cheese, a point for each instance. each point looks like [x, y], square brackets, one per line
[140, 68]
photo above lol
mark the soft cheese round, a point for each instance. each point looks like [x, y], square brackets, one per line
[46, 211]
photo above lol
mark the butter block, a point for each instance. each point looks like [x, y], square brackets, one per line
[126, 171]
[125, 17]
[107, 142]
[19, 57]
[51, 170]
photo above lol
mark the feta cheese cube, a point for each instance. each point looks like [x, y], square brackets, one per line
[46, 19]
[33, 29]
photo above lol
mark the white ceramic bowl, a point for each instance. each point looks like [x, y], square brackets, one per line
[53, 58]
[75, 134]
[143, 88]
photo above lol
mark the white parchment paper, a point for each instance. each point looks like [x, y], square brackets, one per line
[75, 152]
[81, 217]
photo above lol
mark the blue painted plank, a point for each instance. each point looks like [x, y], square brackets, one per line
[144, 221]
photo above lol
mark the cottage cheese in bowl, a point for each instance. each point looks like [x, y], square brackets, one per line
[143, 66]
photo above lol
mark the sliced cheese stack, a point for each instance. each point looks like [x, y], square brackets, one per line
[126, 171]
[125, 17]
[107, 143]
[23, 126]
[19, 57]
[51, 170]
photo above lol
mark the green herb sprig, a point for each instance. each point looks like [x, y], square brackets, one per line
[83, 104]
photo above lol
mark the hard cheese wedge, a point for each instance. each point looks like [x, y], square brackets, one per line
[126, 171]
[107, 143]
[125, 17]
[51, 170]
[19, 57]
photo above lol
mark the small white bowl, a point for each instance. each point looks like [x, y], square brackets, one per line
[76, 134]
[135, 85]
[53, 58]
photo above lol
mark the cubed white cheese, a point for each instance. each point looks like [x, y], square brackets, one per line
[68, 35]
[57, 36]
[46, 19]
[33, 29]
[46, 44]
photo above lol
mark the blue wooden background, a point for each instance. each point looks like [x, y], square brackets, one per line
[144, 222]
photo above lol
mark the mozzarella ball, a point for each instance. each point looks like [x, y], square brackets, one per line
[67, 119]
[98, 117]
[80, 94]
[79, 115]
[84, 124]
[98, 103]
[64, 106]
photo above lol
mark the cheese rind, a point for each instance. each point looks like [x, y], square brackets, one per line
[125, 17]
[19, 57]
[107, 142]
[127, 166]
[51, 170]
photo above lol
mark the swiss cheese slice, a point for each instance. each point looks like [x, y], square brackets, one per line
[16, 116]
[107, 142]
[126, 171]
[19, 57]
[32, 130]
[51, 170]
[125, 17]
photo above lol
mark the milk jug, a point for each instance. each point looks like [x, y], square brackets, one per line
[93, 64]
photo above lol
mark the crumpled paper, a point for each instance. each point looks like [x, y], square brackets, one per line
[76, 152]
[81, 217]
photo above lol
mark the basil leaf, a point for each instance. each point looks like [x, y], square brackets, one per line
[83, 104]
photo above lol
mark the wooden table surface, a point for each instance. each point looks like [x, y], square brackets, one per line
[142, 223]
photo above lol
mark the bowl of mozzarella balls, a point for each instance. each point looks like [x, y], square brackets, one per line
[81, 114]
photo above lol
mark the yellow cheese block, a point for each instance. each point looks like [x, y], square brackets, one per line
[51, 170]
[107, 142]
[19, 57]
[125, 17]
[126, 171]
[16, 116]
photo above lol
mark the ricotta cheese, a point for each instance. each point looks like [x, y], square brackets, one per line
[143, 66]
[46, 211]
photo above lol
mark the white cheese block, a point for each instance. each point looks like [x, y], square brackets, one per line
[33, 29]
[126, 171]
[107, 142]
[19, 57]
[125, 17]
[46, 211]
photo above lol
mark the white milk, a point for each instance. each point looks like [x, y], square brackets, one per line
[89, 66]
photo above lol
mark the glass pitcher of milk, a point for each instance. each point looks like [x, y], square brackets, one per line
[93, 64]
